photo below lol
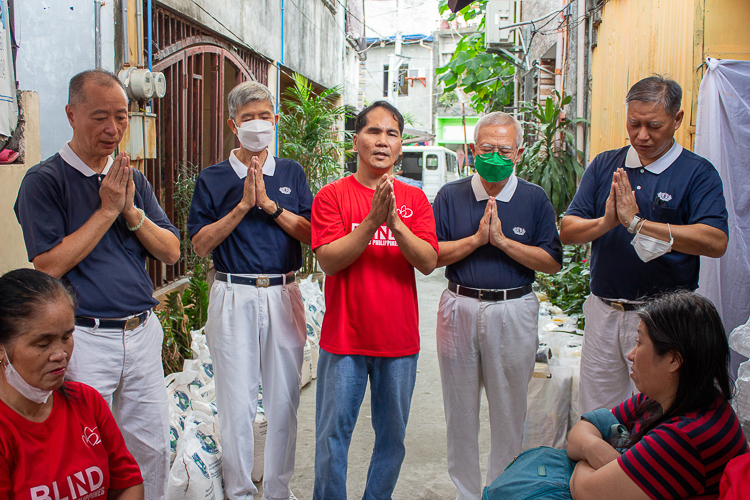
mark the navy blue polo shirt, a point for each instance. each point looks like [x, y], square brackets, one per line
[60, 195]
[257, 245]
[526, 215]
[688, 191]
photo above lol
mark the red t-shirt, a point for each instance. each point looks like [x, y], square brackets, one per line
[78, 447]
[371, 306]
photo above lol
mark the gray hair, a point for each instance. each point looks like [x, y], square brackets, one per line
[100, 77]
[499, 118]
[658, 89]
[247, 92]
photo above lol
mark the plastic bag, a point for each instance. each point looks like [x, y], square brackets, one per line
[739, 339]
[196, 473]
[260, 430]
[548, 407]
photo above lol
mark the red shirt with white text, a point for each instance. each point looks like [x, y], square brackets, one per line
[371, 306]
[77, 453]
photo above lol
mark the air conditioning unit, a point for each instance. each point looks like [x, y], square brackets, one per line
[499, 13]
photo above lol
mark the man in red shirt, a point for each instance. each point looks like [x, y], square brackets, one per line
[369, 232]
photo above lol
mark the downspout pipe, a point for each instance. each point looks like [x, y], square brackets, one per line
[139, 31]
[580, 92]
[421, 44]
[98, 33]
[149, 20]
[125, 40]
[278, 75]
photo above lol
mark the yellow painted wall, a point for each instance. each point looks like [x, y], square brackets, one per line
[637, 38]
[12, 248]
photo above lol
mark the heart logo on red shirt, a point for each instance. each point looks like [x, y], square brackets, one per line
[405, 212]
[91, 436]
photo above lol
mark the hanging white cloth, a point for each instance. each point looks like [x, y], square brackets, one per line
[722, 136]
[8, 103]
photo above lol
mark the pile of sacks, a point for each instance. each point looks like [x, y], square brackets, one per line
[552, 397]
[195, 442]
[739, 340]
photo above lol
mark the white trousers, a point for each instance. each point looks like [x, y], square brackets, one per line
[490, 345]
[253, 332]
[126, 368]
[608, 337]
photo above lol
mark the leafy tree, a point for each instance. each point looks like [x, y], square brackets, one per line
[486, 77]
[551, 161]
[309, 133]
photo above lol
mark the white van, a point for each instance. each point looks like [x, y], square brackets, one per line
[433, 166]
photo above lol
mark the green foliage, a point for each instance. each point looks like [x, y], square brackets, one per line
[568, 288]
[487, 78]
[308, 128]
[551, 161]
[186, 311]
[183, 313]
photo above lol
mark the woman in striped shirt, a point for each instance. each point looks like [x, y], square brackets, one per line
[683, 430]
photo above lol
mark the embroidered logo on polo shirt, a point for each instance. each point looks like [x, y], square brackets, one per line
[91, 436]
[285, 190]
[519, 231]
[664, 196]
[405, 212]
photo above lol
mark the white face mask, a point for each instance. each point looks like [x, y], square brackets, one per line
[255, 135]
[649, 248]
[18, 383]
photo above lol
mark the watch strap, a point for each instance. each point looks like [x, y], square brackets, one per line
[278, 211]
[634, 224]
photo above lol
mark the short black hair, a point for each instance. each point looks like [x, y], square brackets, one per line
[361, 121]
[100, 77]
[658, 89]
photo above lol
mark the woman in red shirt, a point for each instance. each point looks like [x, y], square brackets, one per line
[58, 439]
[682, 429]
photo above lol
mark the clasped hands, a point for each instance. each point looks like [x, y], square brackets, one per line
[117, 191]
[254, 194]
[384, 209]
[621, 204]
[490, 228]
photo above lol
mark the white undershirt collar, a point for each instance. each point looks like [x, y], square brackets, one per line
[269, 167]
[633, 161]
[504, 195]
[71, 158]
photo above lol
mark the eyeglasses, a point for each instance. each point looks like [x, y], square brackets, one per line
[503, 150]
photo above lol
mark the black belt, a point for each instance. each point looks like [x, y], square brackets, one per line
[261, 281]
[622, 306]
[492, 295]
[113, 324]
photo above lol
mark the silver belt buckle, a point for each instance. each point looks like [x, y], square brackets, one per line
[131, 323]
[262, 281]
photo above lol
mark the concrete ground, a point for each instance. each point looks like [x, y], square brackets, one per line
[424, 474]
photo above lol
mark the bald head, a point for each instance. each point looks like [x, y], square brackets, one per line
[100, 77]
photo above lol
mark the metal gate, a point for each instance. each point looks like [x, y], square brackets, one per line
[198, 66]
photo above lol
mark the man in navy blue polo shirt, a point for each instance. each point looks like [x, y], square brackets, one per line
[251, 212]
[651, 209]
[494, 231]
[92, 221]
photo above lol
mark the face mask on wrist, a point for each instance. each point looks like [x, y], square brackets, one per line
[18, 383]
[255, 135]
[493, 167]
[649, 248]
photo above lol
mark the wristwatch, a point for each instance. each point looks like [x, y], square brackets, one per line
[278, 211]
[634, 224]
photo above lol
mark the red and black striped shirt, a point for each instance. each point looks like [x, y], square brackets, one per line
[684, 456]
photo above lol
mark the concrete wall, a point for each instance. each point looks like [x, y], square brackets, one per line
[12, 248]
[56, 41]
[313, 34]
[417, 102]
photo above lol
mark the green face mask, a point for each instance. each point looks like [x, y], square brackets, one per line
[493, 167]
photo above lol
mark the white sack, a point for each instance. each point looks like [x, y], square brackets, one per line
[548, 407]
[196, 473]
